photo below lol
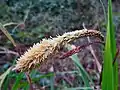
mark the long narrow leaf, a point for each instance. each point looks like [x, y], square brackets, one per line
[110, 72]
[84, 75]
[3, 29]
[3, 77]
[17, 82]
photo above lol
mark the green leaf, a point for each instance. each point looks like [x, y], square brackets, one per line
[17, 82]
[84, 75]
[79, 88]
[110, 71]
[3, 77]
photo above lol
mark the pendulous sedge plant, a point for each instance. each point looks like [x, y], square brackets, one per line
[41, 52]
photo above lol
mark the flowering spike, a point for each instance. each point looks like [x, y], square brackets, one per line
[41, 52]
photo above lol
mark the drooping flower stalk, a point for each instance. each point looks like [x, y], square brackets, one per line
[41, 52]
[78, 49]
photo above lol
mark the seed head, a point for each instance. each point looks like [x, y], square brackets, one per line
[41, 52]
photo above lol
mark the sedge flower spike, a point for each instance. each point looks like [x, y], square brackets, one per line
[42, 51]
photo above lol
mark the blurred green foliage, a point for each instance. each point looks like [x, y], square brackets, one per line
[44, 18]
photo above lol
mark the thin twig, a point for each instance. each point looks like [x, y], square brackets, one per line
[94, 55]
[10, 23]
[104, 11]
[99, 67]
[29, 80]
[116, 56]
[8, 51]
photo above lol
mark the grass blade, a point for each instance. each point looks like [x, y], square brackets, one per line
[110, 72]
[17, 82]
[3, 76]
[84, 75]
[3, 29]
